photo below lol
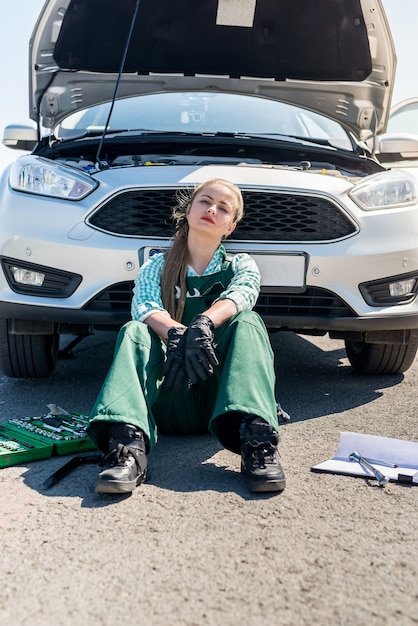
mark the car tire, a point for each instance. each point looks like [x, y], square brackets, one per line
[27, 356]
[381, 358]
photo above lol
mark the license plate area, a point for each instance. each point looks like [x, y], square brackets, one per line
[283, 272]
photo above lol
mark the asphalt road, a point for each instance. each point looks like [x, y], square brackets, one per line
[192, 546]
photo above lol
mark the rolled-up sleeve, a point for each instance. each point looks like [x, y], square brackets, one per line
[244, 287]
[147, 292]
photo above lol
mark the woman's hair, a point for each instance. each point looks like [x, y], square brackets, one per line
[176, 258]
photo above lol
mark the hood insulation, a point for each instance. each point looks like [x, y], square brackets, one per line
[317, 40]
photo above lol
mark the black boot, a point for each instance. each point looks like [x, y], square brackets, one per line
[125, 465]
[260, 462]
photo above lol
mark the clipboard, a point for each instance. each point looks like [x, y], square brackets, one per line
[395, 458]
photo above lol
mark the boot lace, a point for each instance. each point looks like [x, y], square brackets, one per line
[120, 456]
[262, 454]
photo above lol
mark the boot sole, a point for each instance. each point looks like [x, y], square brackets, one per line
[264, 486]
[116, 486]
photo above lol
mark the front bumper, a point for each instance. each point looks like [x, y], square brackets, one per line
[383, 247]
[112, 309]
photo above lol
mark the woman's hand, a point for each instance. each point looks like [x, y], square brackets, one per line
[174, 370]
[200, 357]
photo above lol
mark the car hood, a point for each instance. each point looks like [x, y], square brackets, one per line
[335, 57]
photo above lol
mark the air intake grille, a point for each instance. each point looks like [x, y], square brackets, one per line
[313, 302]
[268, 216]
[115, 299]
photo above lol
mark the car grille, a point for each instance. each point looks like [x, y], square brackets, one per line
[269, 216]
[314, 302]
[115, 299]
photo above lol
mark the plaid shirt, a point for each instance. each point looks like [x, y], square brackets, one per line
[243, 288]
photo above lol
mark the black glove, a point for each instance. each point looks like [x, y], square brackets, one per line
[174, 367]
[200, 355]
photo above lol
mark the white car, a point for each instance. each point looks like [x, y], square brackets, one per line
[134, 101]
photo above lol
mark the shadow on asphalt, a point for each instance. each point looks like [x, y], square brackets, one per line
[311, 382]
[180, 464]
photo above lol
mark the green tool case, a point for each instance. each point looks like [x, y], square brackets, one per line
[28, 439]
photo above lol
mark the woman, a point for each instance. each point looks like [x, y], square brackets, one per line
[195, 357]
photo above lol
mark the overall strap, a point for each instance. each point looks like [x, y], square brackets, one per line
[202, 291]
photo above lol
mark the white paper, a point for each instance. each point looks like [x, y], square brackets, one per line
[236, 13]
[399, 452]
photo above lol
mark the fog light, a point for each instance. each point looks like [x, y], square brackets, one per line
[27, 277]
[402, 287]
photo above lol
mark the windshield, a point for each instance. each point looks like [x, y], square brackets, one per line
[205, 112]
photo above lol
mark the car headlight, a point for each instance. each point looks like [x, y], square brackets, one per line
[46, 178]
[394, 188]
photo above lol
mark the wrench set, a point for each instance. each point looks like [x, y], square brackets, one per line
[26, 439]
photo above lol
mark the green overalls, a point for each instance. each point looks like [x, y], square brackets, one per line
[242, 383]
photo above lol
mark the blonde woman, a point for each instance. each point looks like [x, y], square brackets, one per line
[195, 357]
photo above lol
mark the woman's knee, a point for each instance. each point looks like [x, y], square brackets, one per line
[138, 332]
[248, 317]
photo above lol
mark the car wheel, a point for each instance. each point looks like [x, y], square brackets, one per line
[27, 356]
[381, 358]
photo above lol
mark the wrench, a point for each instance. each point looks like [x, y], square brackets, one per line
[381, 478]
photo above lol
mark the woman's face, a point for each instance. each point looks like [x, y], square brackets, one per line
[213, 211]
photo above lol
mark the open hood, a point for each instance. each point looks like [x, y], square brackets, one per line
[335, 57]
